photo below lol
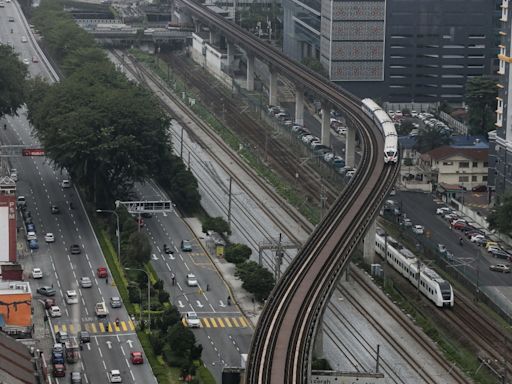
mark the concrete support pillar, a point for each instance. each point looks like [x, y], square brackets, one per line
[250, 72]
[318, 347]
[230, 54]
[299, 105]
[350, 147]
[326, 120]
[272, 86]
[369, 244]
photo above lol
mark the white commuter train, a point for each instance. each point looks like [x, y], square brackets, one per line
[382, 119]
[433, 286]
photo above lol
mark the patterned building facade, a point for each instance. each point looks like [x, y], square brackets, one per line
[396, 50]
[500, 156]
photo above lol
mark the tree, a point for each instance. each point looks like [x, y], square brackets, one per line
[481, 93]
[139, 248]
[430, 137]
[237, 253]
[103, 131]
[405, 127]
[170, 317]
[182, 340]
[216, 224]
[499, 218]
[255, 279]
[12, 81]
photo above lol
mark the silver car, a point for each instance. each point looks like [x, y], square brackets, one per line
[115, 302]
[85, 282]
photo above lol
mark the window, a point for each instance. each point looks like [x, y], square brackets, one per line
[447, 162]
[486, 164]
[463, 179]
[484, 178]
[473, 178]
[475, 164]
[463, 164]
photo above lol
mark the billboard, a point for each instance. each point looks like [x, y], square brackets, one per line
[7, 228]
[32, 152]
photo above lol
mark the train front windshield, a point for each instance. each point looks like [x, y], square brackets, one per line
[446, 290]
[390, 156]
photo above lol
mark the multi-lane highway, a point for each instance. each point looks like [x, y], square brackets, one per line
[40, 183]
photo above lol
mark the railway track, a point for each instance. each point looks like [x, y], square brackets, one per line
[146, 77]
[282, 158]
[411, 330]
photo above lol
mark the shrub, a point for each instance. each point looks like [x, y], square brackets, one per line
[237, 253]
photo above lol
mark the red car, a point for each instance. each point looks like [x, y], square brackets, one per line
[59, 370]
[102, 272]
[459, 225]
[136, 358]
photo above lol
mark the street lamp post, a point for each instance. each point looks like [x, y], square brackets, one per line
[118, 232]
[149, 294]
[140, 298]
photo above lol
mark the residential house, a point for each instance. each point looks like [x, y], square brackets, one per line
[465, 167]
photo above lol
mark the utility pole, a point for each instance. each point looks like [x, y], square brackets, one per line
[181, 144]
[229, 200]
[279, 256]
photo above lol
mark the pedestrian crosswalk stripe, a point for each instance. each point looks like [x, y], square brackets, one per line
[129, 326]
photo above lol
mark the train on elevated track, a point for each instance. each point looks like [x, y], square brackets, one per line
[382, 119]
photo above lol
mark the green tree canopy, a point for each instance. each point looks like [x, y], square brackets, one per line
[256, 279]
[216, 224]
[139, 248]
[430, 137]
[237, 253]
[500, 217]
[481, 93]
[12, 81]
[101, 129]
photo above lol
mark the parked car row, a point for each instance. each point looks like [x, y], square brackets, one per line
[313, 142]
[476, 236]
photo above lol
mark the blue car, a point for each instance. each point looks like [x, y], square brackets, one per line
[33, 244]
[31, 227]
[57, 358]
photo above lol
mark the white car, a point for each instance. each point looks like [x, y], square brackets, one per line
[37, 273]
[66, 184]
[24, 39]
[443, 211]
[71, 297]
[191, 280]
[418, 229]
[55, 311]
[31, 235]
[192, 320]
[14, 174]
[407, 222]
[49, 238]
[114, 376]
[477, 238]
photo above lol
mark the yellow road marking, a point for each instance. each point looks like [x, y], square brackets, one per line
[102, 327]
[123, 325]
[233, 319]
[206, 322]
[221, 322]
[214, 323]
[243, 322]
[55, 328]
[63, 328]
[226, 319]
[132, 326]
[93, 328]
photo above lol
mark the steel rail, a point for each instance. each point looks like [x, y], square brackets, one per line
[282, 345]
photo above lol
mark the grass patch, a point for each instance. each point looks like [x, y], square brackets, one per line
[204, 375]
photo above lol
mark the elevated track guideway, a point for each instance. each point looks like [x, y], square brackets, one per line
[283, 341]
